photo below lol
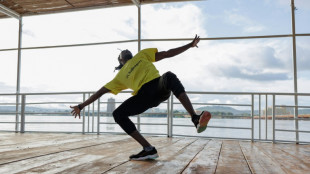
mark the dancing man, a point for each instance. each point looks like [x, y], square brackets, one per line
[149, 90]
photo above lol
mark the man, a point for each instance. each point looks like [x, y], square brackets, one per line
[149, 90]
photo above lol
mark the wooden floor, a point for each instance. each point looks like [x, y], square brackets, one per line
[75, 153]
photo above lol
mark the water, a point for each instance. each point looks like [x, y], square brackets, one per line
[75, 125]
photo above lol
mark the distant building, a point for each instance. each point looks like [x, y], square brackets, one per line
[111, 106]
[280, 111]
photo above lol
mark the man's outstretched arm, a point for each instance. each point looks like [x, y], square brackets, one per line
[173, 52]
[77, 109]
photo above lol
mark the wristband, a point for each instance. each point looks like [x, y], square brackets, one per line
[79, 106]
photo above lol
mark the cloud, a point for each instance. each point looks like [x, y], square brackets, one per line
[8, 33]
[4, 88]
[303, 54]
[300, 4]
[99, 25]
[263, 65]
[250, 74]
[304, 83]
[248, 25]
[249, 60]
[254, 29]
[29, 33]
[248, 65]
[168, 21]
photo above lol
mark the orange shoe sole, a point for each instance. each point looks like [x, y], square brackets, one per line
[203, 122]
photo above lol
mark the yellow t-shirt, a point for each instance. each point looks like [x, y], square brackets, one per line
[135, 73]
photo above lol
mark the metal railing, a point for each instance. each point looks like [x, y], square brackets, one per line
[93, 117]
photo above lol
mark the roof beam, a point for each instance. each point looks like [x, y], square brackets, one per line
[137, 2]
[9, 12]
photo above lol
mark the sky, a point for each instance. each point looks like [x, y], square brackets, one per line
[250, 65]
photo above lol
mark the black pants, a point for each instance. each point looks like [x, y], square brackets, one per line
[150, 95]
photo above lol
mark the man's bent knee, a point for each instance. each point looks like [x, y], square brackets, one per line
[172, 83]
[169, 75]
[117, 116]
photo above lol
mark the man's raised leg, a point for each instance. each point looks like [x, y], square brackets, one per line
[200, 121]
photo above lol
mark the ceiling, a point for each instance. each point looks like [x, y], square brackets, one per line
[35, 7]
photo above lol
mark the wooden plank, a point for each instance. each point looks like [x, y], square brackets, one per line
[24, 165]
[141, 166]
[65, 160]
[206, 161]
[301, 151]
[260, 162]
[26, 141]
[42, 141]
[75, 153]
[17, 138]
[46, 6]
[87, 160]
[231, 159]
[179, 161]
[118, 156]
[43, 5]
[39, 2]
[173, 158]
[164, 152]
[290, 163]
[16, 155]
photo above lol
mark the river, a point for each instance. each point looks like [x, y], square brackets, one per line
[304, 125]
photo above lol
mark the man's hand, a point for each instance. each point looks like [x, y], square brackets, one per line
[195, 41]
[76, 111]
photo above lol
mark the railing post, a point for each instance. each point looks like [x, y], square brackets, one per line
[266, 118]
[296, 119]
[17, 115]
[88, 112]
[273, 117]
[139, 122]
[259, 116]
[252, 114]
[22, 125]
[83, 127]
[93, 119]
[171, 116]
[98, 118]
[168, 117]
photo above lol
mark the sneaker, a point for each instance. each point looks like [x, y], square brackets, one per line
[201, 121]
[145, 155]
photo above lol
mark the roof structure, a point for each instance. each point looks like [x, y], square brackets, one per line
[34, 7]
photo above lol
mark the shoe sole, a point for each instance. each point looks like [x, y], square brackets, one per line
[203, 122]
[148, 157]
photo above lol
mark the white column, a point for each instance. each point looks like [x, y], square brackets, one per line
[295, 70]
[20, 32]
